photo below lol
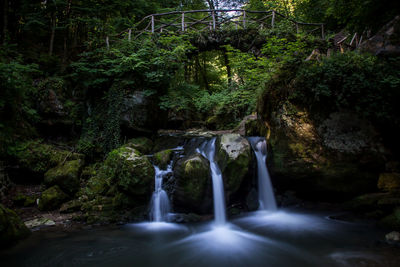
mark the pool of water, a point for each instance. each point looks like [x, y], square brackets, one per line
[283, 238]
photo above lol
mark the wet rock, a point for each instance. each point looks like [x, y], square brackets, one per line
[163, 158]
[39, 222]
[168, 142]
[52, 198]
[234, 158]
[185, 218]
[192, 176]
[66, 176]
[143, 144]
[389, 182]
[252, 200]
[12, 228]
[393, 237]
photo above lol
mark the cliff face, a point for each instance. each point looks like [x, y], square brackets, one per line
[327, 157]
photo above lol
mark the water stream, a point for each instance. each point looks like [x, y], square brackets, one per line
[207, 149]
[159, 205]
[266, 197]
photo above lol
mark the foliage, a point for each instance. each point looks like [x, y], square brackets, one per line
[352, 81]
[16, 109]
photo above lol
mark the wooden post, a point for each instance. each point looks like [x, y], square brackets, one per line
[273, 19]
[183, 21]
[322, 31]
[213, 17]
[244, 19]
[108, 43]
[359, 43]
[352, 40]
[152, 24]
[130, 35]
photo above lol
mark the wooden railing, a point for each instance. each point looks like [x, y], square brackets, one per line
[211, 20]
[214, 20]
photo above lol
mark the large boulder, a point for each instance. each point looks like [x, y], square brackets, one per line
[139, 111]
[193, 184]
[52, 198]
[36, 158]
[234, 158]
[392, 221]
[66, 176]
[130, 171]
[12, 228]
[332, 157]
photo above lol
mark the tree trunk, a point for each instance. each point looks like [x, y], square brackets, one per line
[66, 33]
[228, 67]
[5, 21]
[53, 33]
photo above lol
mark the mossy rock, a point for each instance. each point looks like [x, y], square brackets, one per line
[71, 206]
[163, 158]
[24, 200]
[389, 182]
[66, 176]
[193, 177]
[391, 221]
[132, 172]
[12, 228]
[365, 202]
[234, 158]
[89, 171]
[38, 158]
[52, 198]
[96, 186]
[143, 144]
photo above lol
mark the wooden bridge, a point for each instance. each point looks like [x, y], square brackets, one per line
[216, 20]
[224, 19]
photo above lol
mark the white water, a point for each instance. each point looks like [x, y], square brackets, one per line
[160, 206]
[207, 149]
[266, 197]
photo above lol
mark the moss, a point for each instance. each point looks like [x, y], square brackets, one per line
[24, 200]
[66, 176]
[192, 176]
[389, 182]
[71, 206]
[38, 157]
[89, 171]
[52, 198]
[391, 221]
[132, 172]
[96, 186]
[12, 228]
[142, 144]
[163, 158]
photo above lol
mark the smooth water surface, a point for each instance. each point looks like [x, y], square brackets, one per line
[284, 238]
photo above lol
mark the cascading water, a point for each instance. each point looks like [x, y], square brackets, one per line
[207, 149]
[266, 197]
[160, 206]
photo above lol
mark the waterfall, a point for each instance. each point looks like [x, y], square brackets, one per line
[159, 206]
[266, 197]
[207, 149]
